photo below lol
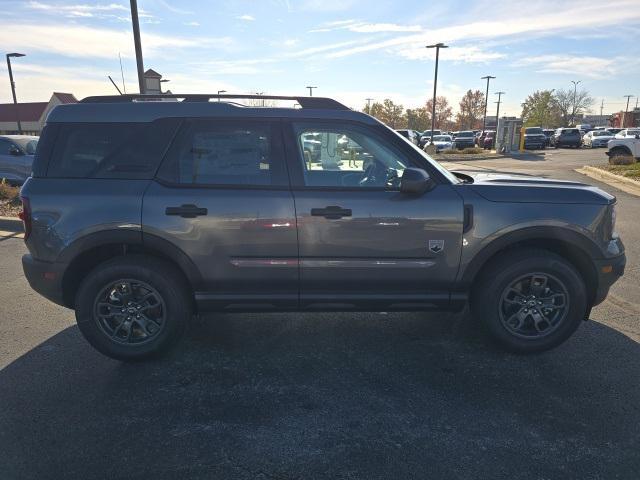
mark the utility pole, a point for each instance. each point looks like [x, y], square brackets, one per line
[601, 106]
[138, 45]
[368, 105]
[486, 101]
[437, 46]
[498, 109]
[311, 90]
[626, 110]
[575, 89]
[13, 87]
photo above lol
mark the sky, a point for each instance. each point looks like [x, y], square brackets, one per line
[350, 49]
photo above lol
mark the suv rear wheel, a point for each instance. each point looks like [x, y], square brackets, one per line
[530, 300]
[132, 307]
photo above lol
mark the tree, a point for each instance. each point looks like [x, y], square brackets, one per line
[541, 109]
[443, 112]
[570, 108]
[419, 119]
[471, 111]
[389, 113]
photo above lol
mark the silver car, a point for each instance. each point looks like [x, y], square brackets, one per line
[16, 157]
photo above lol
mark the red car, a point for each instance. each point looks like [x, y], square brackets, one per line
[486, 139]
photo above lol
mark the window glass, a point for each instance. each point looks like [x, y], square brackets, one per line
[4, 146]
[348, 157]
[110, 150]
[210, 152]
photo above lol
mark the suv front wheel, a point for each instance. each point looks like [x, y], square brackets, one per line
[132, 307]
[530, 300]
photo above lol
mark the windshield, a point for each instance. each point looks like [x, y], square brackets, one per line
[28, 144]
[602, 133]
[441, 138]
[633, 132]
[466, 134]
[533, 131]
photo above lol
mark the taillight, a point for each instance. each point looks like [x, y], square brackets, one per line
[25, 216]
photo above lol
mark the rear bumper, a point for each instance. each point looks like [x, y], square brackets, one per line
[45, 278]
[609, 271]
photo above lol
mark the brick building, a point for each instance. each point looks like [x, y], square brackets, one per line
[32, 114]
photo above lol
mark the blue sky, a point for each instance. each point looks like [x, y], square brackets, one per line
[350, 49]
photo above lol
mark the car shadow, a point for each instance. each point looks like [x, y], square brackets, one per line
[325, 396]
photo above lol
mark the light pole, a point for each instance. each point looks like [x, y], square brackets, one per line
[221, 91]
[13, 87]
[437, 46]
[498, 109]
[368, 105]
[575, 89]
[624, 119]
[311, 90]
[138, 45]
[486, 101]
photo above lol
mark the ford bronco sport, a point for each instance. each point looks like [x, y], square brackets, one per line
[140, 213]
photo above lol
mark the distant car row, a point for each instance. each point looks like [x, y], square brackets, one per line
[450, 140]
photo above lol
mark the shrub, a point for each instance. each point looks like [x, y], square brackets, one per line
[622, 160]
[472, 151]
[8, 192]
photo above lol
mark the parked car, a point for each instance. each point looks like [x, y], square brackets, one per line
[464, 139]
[480, 140]
[410, 135]
[548, 133]
[16, 157]
[567, 137]
[139, 213]
[614, 130]
[489, 140]
[597, 138]
[628, 146]
[534, 138]
[584, 127]
[628, 132]
[426, 136]
[441, 142]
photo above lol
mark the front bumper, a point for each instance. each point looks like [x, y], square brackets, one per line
[609, 270]
[45, 278]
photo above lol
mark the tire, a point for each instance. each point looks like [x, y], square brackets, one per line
[496, 303]
[156, 306]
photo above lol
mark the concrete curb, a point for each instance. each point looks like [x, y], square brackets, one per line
[12, 224]
[464, 158]
[625, 184]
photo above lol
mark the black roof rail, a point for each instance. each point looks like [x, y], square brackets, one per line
[304, 102]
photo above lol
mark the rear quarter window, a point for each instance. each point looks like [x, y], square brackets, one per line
[110, 150]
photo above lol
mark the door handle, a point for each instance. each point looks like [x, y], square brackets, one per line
[332, 212]
[186, 211]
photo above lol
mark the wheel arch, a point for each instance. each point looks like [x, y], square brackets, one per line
[84, 254]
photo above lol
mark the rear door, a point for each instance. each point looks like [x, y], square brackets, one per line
[222, 197]
[362, 243]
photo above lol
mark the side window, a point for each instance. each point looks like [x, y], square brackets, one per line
[213, 152]
[347, 156]
[4, 146]
[110, 150]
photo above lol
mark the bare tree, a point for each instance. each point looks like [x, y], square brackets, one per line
[570, 107]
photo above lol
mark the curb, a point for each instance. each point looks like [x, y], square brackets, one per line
[11, 223]
[464, 158]
[625, 184]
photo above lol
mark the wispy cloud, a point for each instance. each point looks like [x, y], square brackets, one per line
[83, 10]
[246, 18]
[174, 9]
[583, 66]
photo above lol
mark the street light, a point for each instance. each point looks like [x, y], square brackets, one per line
[311, 90]
[498, 110]
[486, 101]
[13, 87]
[575, 89]
[437, 46]
[368, 105]
[626, 110]
[221, 91]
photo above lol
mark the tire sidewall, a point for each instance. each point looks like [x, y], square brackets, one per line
[489, 308]
[154, 274]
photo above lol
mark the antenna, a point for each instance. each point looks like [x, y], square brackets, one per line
[124, 87]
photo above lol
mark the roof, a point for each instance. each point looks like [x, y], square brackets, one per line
[65, 97]
[152, 74]
[28, 112]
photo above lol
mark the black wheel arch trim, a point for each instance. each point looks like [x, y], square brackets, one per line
[542, 233]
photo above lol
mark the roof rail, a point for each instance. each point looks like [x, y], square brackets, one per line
[304, 102]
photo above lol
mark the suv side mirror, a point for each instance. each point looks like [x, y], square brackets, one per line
[15, 151]
[415, 181]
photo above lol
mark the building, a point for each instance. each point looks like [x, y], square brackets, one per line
[32, 114]
[595, 120]
[631, 119]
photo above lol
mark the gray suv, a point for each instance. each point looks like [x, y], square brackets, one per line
[140, 213]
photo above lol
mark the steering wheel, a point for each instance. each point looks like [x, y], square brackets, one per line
[371, 174]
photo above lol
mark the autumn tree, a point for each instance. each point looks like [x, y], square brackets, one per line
[541, 109]
[469, 117]
[389, 113]
[444, 113]
[569, 106]
[419, 119]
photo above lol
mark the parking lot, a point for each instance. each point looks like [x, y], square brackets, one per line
[327, 395]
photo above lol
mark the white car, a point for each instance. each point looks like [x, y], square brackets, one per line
[628, 132]
[441, 142]
[629, 146]
[597, 138]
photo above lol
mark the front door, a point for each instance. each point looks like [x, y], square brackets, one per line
[222, 197]
[362, 243]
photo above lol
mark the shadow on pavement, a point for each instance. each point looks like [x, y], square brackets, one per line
[325, 395]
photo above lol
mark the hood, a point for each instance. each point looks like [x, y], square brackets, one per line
[524, 189]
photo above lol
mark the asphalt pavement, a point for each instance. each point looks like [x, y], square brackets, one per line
[326, 395]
